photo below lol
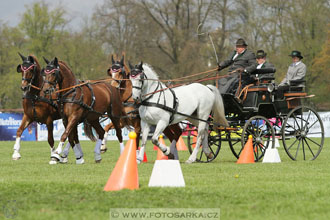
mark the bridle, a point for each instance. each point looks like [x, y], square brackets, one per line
[58, 79]
[117, 68]
[26, 69]
[143, 77]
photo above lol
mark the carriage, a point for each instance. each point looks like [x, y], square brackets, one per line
[263, 112]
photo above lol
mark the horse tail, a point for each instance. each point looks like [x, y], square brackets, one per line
[218, 107]
[89, 131]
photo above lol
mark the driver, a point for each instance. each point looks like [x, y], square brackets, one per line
[241, 61]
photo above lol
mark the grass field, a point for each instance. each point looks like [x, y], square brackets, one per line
[32, 189]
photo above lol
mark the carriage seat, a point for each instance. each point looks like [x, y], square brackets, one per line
[264, 75]
[297, 85]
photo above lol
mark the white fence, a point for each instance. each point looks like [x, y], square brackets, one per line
[59, 129]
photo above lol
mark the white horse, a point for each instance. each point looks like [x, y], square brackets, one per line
[161, 106]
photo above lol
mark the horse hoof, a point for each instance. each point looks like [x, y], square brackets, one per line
[189, 161]
[103, 150]
[98, 161]
[53, 161]
[64, 160]
[138, 161]
[82, 161]
[171, 156]
[210, 156]
[16, 155]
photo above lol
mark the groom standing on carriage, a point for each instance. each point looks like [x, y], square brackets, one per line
[241, 63]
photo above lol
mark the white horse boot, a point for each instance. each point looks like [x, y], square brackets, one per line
[122, 147]
[65, 153]
[55, 155]
[78, 154]
[104, 142]
[97, 151]
[16, 155]
[139, 155]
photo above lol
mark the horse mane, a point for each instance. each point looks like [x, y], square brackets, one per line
[65, 65]
[149, 71]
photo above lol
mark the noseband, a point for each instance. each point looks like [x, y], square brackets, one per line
[142, 78]
[55, 71]
[25, 69]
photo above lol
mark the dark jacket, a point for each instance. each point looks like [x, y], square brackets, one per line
[267, 65]
[245, 60]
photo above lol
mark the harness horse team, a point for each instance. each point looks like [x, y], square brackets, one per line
[134, 97]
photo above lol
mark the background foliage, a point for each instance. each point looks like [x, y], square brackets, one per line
[164, 34]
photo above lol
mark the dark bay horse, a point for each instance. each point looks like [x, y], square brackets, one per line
[36, 108]
[82, 103]
[120, 73]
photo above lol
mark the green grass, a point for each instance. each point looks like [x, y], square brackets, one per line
[35, 190]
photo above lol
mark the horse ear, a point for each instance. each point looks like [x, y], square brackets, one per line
[23, 57]
[31, 59]
[112, 60]
[130, 65]
[19, 69]
[46, 60]
[122, 60]
[140, 65]
[56, 62]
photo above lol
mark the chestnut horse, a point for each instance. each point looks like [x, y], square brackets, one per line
[82, 103]
[120, 73]
[36, 108]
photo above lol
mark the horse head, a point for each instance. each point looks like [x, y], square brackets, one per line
[118, 70]
[52, 75]
[29, 69]
[137, 77]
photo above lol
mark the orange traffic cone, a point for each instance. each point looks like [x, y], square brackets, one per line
[180, 145]
[145, 159]
[125, 173]
[247, 155]
[160, 154]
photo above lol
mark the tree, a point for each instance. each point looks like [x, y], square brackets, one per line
[42, 26]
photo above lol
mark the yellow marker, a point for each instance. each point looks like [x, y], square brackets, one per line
[160, 136]
[132, 135]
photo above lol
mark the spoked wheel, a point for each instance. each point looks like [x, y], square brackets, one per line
[303, 134]
[263, 135]
[234, 141]
[214, 144]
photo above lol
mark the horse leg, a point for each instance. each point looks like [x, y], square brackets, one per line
[26, 121]
[145, 131]
[76, 146]
[201, 135]
[117, 124]
[161, 125]
[173, 133]
[137, 129]
[205, 144]
[107, 128]
[99, 130]
[66, 150]
[72, 122]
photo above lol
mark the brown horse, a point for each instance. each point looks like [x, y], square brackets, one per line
[36, 108]
[120, 73]
[82, 103]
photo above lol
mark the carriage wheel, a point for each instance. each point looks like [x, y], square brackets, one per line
[263, 135]
[214, 141]
[299, 132]
[234, 141]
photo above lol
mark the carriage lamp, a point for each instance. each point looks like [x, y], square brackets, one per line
[263, 97]
[270, 88]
